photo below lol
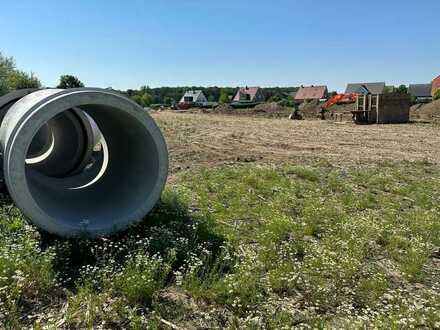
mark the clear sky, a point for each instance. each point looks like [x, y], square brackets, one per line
[126, 44]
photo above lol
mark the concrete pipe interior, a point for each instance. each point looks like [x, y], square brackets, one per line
[118, 188]
[63, 145]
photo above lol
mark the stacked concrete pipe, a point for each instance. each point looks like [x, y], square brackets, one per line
[81, 162]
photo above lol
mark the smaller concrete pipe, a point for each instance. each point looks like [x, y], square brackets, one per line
[119, 189]
[7, 100]
[62, 146]
[45, 153]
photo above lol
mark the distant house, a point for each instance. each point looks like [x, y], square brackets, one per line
[192, 98]
[421, 92]
[366, 88]
[249, 95]
[311, 93]
[435, 85]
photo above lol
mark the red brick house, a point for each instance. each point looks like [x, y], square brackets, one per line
[311, 93]
[435, 85]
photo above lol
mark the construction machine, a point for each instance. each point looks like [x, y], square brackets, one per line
[337, 99]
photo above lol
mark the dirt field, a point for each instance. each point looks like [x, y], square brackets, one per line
[205, 140]
[428, 112]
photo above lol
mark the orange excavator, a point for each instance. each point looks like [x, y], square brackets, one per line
[337, 99]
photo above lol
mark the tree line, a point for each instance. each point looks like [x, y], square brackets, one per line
[12, 78]
[168, 96]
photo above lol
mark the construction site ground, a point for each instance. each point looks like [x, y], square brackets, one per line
[204, 140]
[265, 223]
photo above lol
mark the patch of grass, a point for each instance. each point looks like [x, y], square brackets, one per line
[305, 173]
[141, 277]
[370, 288]
[245, 247]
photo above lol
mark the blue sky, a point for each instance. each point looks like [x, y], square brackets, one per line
[126, 44]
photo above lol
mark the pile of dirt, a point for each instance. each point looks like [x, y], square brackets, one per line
[310, 109]
[343, 111]
[223, 108]
[272, 110]
[269, 107]
[429, 111]
[269, 110]
[342, 108]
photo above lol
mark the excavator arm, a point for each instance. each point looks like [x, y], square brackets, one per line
[337, 99]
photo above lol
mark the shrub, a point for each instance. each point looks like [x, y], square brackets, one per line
[437, 94]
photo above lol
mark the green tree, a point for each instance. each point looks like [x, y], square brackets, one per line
[168, 100]
[11, 78]
[437, 94]
[275, 98]
[7, 66]
[20, 80]
[137, 99]
[147, 100]
[69, 81]
[224, 97]
[402, 89]
[389, 89]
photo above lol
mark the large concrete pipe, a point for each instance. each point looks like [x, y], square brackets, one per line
[131, 177]
[45, 152]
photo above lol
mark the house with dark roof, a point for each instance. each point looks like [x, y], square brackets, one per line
[421, 92]
[249, 95]
[435, 86]
[365, 88]
[311, 93]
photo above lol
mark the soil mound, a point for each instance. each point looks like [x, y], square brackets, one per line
[269, 110]
[341, 112]
[223, 108]
[309, 109]
[430, 111]
[269, 107]
[342, 108]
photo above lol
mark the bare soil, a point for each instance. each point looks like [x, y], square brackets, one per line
[196, 140]
[429, 112]
[268, 110]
